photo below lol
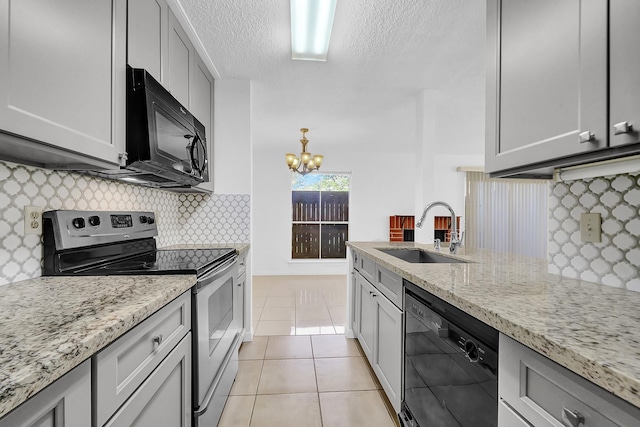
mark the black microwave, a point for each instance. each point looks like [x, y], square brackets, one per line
[166, 144]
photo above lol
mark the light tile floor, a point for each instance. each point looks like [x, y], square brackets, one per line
[299, 305]
[303, 372]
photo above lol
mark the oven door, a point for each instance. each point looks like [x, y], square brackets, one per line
[216, 332]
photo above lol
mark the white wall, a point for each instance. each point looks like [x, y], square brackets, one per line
[380, 161]
[400, 160]
[232, 137]
[450, 134]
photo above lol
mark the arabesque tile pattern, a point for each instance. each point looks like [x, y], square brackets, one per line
[616, 260]
[181, 218]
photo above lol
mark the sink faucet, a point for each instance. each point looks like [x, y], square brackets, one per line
[455, 240]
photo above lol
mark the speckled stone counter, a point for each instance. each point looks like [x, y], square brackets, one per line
[592, 330]
[50, 325]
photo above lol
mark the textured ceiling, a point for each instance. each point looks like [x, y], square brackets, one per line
[382, 52]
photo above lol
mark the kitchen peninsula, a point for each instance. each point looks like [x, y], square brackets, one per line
[587, 328]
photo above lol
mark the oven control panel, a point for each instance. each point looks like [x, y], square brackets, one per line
[83, 228]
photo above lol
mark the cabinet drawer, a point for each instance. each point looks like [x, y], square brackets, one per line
[545, 393]
[390, 284]
[164, 399]
[121, 367]
[367, 269]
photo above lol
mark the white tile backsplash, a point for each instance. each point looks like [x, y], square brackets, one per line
[616, 260]
[181, 218]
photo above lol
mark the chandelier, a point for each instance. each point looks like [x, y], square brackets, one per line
[308, 162]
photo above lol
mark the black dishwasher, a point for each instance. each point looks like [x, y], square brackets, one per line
[450, 365]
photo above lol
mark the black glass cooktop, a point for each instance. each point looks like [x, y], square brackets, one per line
[178, 261]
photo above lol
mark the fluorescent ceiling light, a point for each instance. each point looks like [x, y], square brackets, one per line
[311, 23]
[605, 168]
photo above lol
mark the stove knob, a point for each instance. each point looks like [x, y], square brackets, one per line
[151, 220]
[78, 223]
[143, 219]
[94, 221]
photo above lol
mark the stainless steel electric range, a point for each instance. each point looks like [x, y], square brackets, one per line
[99, 243]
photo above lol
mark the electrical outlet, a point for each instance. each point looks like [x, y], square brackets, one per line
[591, 227]
[32, 220]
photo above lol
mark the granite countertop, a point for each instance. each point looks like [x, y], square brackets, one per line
[49, 325]
[588, 328]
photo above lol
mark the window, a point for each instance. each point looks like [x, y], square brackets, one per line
[320, 216]
[507, 215]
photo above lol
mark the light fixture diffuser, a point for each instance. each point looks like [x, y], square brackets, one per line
[311, 24]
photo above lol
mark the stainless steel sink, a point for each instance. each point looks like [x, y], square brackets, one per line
[419, 256]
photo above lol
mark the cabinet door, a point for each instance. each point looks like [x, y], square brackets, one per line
[202, 109]
[120, 368]
[624, 69]
[549, 395]
[164, 399]
[181, 60]
[62, 74]
[546, 80]
[65, 403]
[147, 26]
[366, 320]
[387, 358]
[354, 306]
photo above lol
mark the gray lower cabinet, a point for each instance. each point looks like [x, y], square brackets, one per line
[537, 391]
[378, 326]
[150, 363]
[62, 82]
[164, 399]
[366, 316]
[65, 403]
[387, 350]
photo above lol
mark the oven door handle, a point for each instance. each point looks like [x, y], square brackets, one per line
[215, 274]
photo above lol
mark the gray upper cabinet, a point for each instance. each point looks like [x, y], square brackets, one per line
[148, 36]
[546, 80]
[624, 69]
[62, 81]
[158, 43]
[202, 109]
[181, 62]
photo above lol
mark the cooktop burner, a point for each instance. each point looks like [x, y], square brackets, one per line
[196, 261]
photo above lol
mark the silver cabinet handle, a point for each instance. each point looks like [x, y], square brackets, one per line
[573, 418]
[622, 127]
[586, 137]
[157, 339]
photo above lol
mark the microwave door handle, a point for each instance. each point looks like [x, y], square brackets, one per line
[194, 160]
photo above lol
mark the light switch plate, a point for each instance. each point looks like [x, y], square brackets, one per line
[591, 227]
